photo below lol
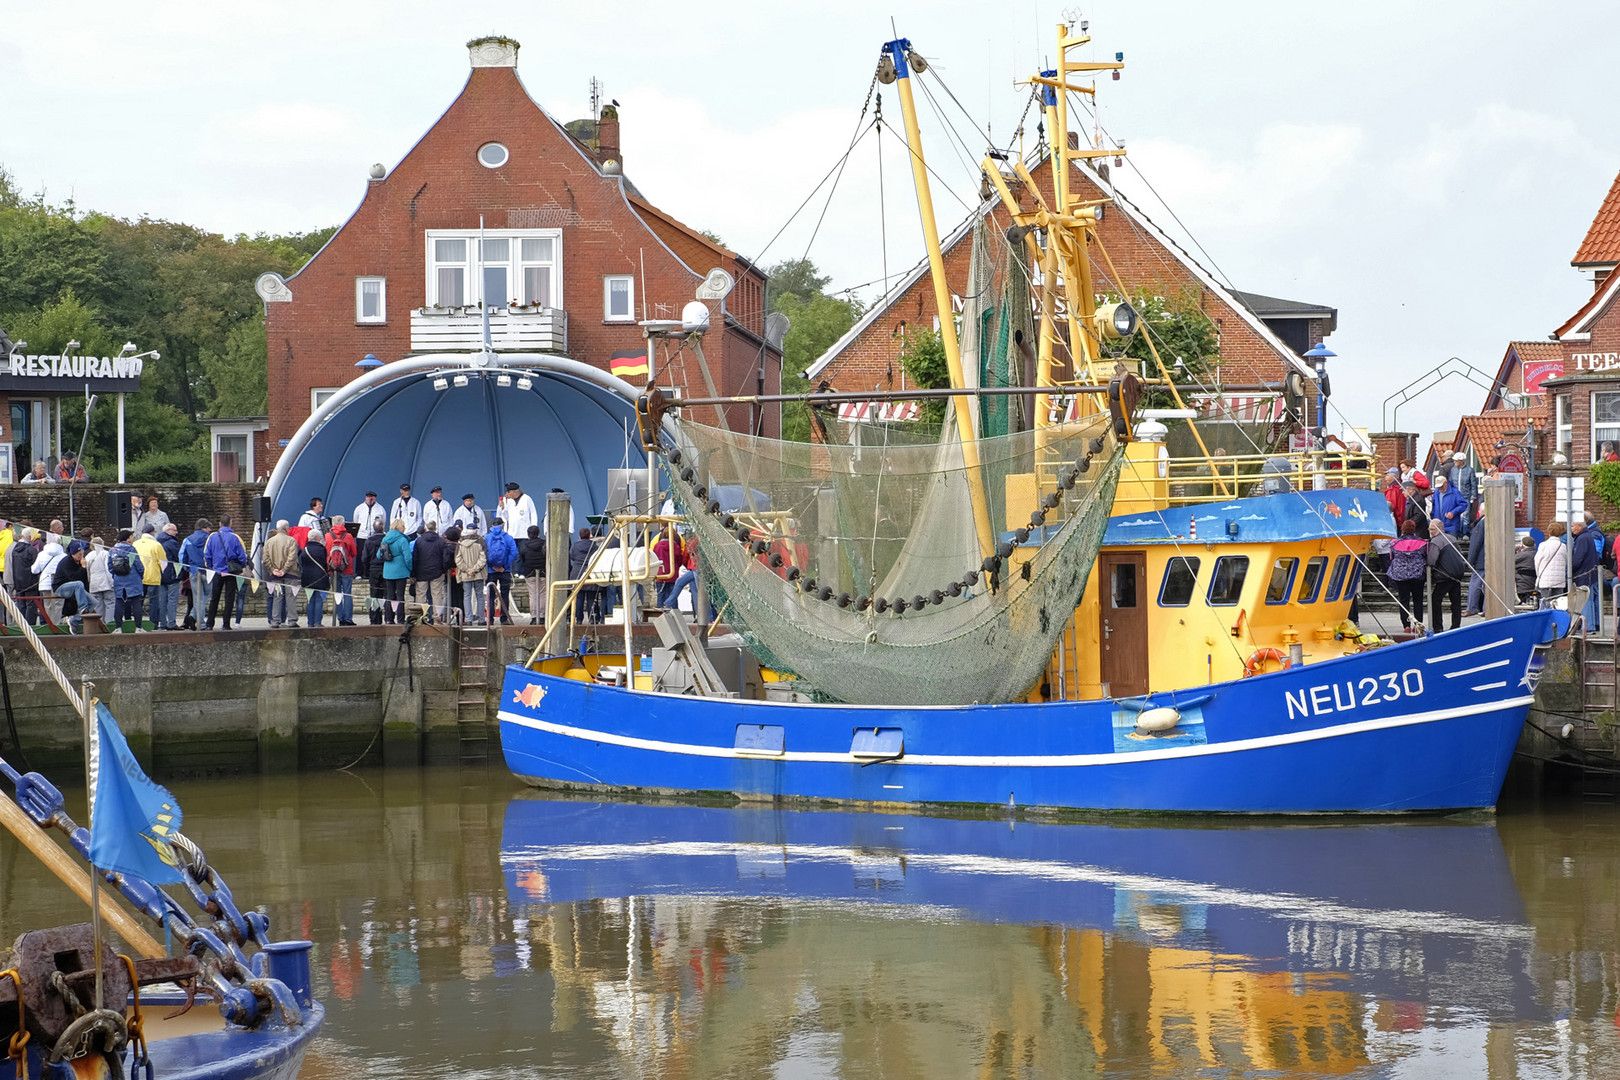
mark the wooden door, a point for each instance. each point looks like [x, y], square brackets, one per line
[1123, 634]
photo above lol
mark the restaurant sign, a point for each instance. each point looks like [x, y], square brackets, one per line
[71, 374]
[1595, 361]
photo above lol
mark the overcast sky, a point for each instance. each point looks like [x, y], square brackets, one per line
[1427, 168]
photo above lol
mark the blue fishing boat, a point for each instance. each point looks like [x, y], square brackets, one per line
[1408, 911]
[1055, 614]
[224, 1000]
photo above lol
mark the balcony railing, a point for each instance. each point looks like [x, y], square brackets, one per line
[510, 329]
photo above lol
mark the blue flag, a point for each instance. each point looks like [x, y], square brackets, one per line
[131, 818]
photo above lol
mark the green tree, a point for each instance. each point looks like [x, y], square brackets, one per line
[796, 278]
[816, 324]
[1184, 337]
[922, 358]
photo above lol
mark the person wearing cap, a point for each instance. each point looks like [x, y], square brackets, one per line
[407, 510]
[470, 516]
[364, 514]
[437, 511]
[516, 510]
[502, 557]
[71, 582]
[68, 470]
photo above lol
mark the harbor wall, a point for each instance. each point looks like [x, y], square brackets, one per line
[37, 504]
[272, 701]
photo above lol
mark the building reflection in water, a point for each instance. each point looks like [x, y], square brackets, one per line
[463, 924]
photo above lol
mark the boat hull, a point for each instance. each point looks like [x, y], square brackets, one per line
[1429, 725]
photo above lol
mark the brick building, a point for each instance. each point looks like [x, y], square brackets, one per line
[498, 204]
[1260, 338]
[1556, 402]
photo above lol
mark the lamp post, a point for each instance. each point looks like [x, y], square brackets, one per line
[16, 347]
[1318, 355]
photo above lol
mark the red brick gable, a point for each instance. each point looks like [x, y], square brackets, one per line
[1146, 261]
[1601, 246]
[549, 181]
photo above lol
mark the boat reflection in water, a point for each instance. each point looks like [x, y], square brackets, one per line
[908, 945]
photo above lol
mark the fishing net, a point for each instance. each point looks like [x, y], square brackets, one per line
[859, 568]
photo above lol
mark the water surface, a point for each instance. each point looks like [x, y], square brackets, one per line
[466, 926]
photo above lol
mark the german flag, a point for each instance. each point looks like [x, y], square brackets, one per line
[629, 364]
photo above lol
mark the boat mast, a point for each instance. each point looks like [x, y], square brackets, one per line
[898, 53]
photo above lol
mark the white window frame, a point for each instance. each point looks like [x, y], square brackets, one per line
[360, 315]
[318, 396]
[1564, 430]
[1611, 428]
[607, 298]
[474, 278]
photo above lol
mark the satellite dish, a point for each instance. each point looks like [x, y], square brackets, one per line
[695, 316]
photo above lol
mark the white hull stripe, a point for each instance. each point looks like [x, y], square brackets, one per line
[1029, 761]
[1467, 652]
[1475, 670]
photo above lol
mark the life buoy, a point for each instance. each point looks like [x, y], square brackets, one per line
[1260, 656]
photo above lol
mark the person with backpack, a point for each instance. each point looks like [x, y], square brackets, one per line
[1407, 567]
[395, 554]
[227, 558]
[472, 562]
[341, 556]
[129, 591]
[1447, 568]
[502, 553]
[314, 576]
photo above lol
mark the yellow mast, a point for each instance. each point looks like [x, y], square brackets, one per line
[898, 54]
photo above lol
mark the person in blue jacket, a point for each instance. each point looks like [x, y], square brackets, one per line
[222, 550]
[128, 588]
[192, 558]
[1449, 508]
[395, 551]
[502, 557]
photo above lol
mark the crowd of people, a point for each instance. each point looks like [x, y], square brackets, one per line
[1440, 546]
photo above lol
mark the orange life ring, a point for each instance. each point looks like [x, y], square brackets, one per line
[1260, 656]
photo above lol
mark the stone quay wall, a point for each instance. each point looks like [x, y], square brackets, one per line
[37, 504]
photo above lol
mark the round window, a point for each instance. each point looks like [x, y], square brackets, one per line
[492, 155]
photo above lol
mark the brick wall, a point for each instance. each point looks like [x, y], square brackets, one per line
[37, 504]
[1144, 265]
[548, 182]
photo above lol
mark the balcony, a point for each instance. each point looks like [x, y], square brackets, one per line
[510, 329]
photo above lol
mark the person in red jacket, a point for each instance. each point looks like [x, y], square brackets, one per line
[668, 551]
[341, 555]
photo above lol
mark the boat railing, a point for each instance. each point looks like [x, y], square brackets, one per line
[1220, 476]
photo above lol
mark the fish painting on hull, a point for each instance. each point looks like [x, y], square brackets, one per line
[529, 696]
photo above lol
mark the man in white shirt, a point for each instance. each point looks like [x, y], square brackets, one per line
[436, 511]
[363, 515]
[517, 510]
[470, 516]
[408, 510]
[312, 517]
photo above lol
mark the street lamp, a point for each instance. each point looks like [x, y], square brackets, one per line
[1318, 355]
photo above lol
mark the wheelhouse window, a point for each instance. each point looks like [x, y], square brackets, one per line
[1605, 426]
[1336, 582]
[499, 267]
[618, 298]
[1351, 586]
[1311, 583]
[369, 300]
[1282, 580]
[1226, 580]
[1180, 578]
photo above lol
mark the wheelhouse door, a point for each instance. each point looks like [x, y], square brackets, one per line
[1123, 633]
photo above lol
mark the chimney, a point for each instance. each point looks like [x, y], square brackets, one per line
[492, 51]
[607, 139]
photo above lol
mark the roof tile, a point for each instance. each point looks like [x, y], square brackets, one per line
[1602, 243]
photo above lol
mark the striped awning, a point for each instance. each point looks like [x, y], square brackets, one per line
[879, 412]
[1242, 408]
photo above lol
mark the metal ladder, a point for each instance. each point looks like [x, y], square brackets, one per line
[472, 692]
[1600, 694]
